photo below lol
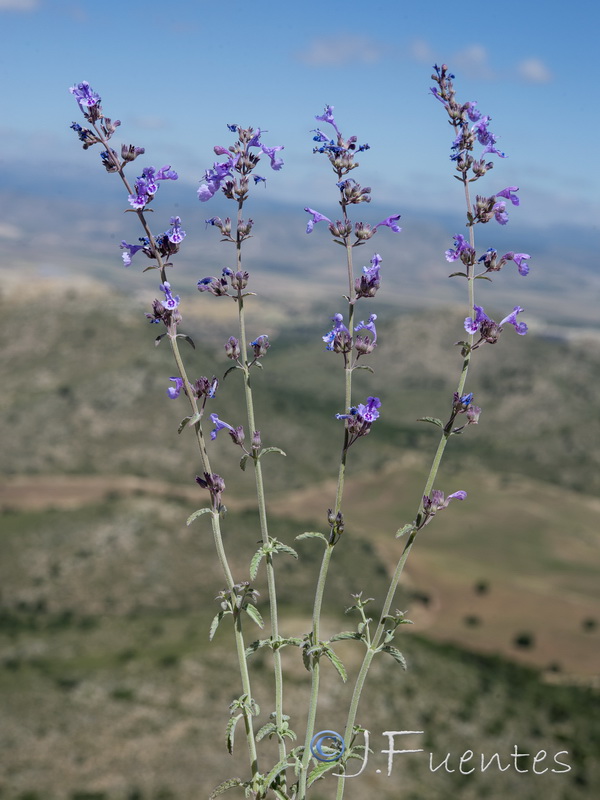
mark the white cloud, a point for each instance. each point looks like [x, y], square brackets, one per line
[533, 70]
[421, 51]
[150, 123]
[337, 51]
[19, 5]
[473, 62]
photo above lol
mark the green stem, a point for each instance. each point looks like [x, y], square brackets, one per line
[319, 592]
[437, 459]
[215, 520]
[264, 529]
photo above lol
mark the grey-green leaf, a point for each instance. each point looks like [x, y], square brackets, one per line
[312, 535]
[395, 654]
[345, 635]
[269, 728]
[337, 663]
[254, 564]
[215, 624]
[222, 787]
[255, 615]
[200, 511]
[433, 420]
[271, 450]
[408, 528]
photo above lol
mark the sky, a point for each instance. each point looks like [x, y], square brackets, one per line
[177, 73]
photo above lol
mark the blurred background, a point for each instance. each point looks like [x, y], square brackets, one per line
[109, 688]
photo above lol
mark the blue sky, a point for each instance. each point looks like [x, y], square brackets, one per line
[176, 73]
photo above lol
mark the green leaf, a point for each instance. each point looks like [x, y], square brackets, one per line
[345, 635]
[280, 767]
[454, 274]
[193, 516]
[319, 771]
[484, 278]
[408, 528]
[189, 421]
[256, 559]
[367, 367]
[254, 646]
[269, 729]
[395, 654]
[230, 370]
[271, 450]
[158, 339]
[283, 548]
[222, 787]
[243, 460]
[187, 338]
[215, 624]
[233, 721]
[433, 420]
[254, 615]
[337, 663]
[312, 535]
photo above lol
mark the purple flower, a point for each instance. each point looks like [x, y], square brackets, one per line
[460, 246]
[509, 194]
[519, 259]
[173, 391]
[131, 251]
[370, 280]
[499, 210]
[488, 328]
[146, 185]
[369, 325]
[327, 116]
[368, 411]
[175, 234]
[276, 163]
[85, 95]
[169, 302]
[338, 328]
[219, 425]
[214, 177]
[437, 501]
[390, 222]
[316, 217]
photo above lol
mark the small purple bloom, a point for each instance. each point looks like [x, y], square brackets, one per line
[175, 234]
[509, 194]
[368, 411]
[316, 217]
[169, 302]
[219, 425]
[390, 223]
[472, 324]
[327, 116]
[520, 260]
[338, 327]
[214, 177]
[173, 391]
[276, 163]
[85, 95]
[499, 210]
[369, 325]
[131, 251]
[259, 179]
[520, 327]
[460, 245]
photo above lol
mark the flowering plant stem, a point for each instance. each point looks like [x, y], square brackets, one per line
[435, 465]
[215, 517]
[262, 513]
[318, 603]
